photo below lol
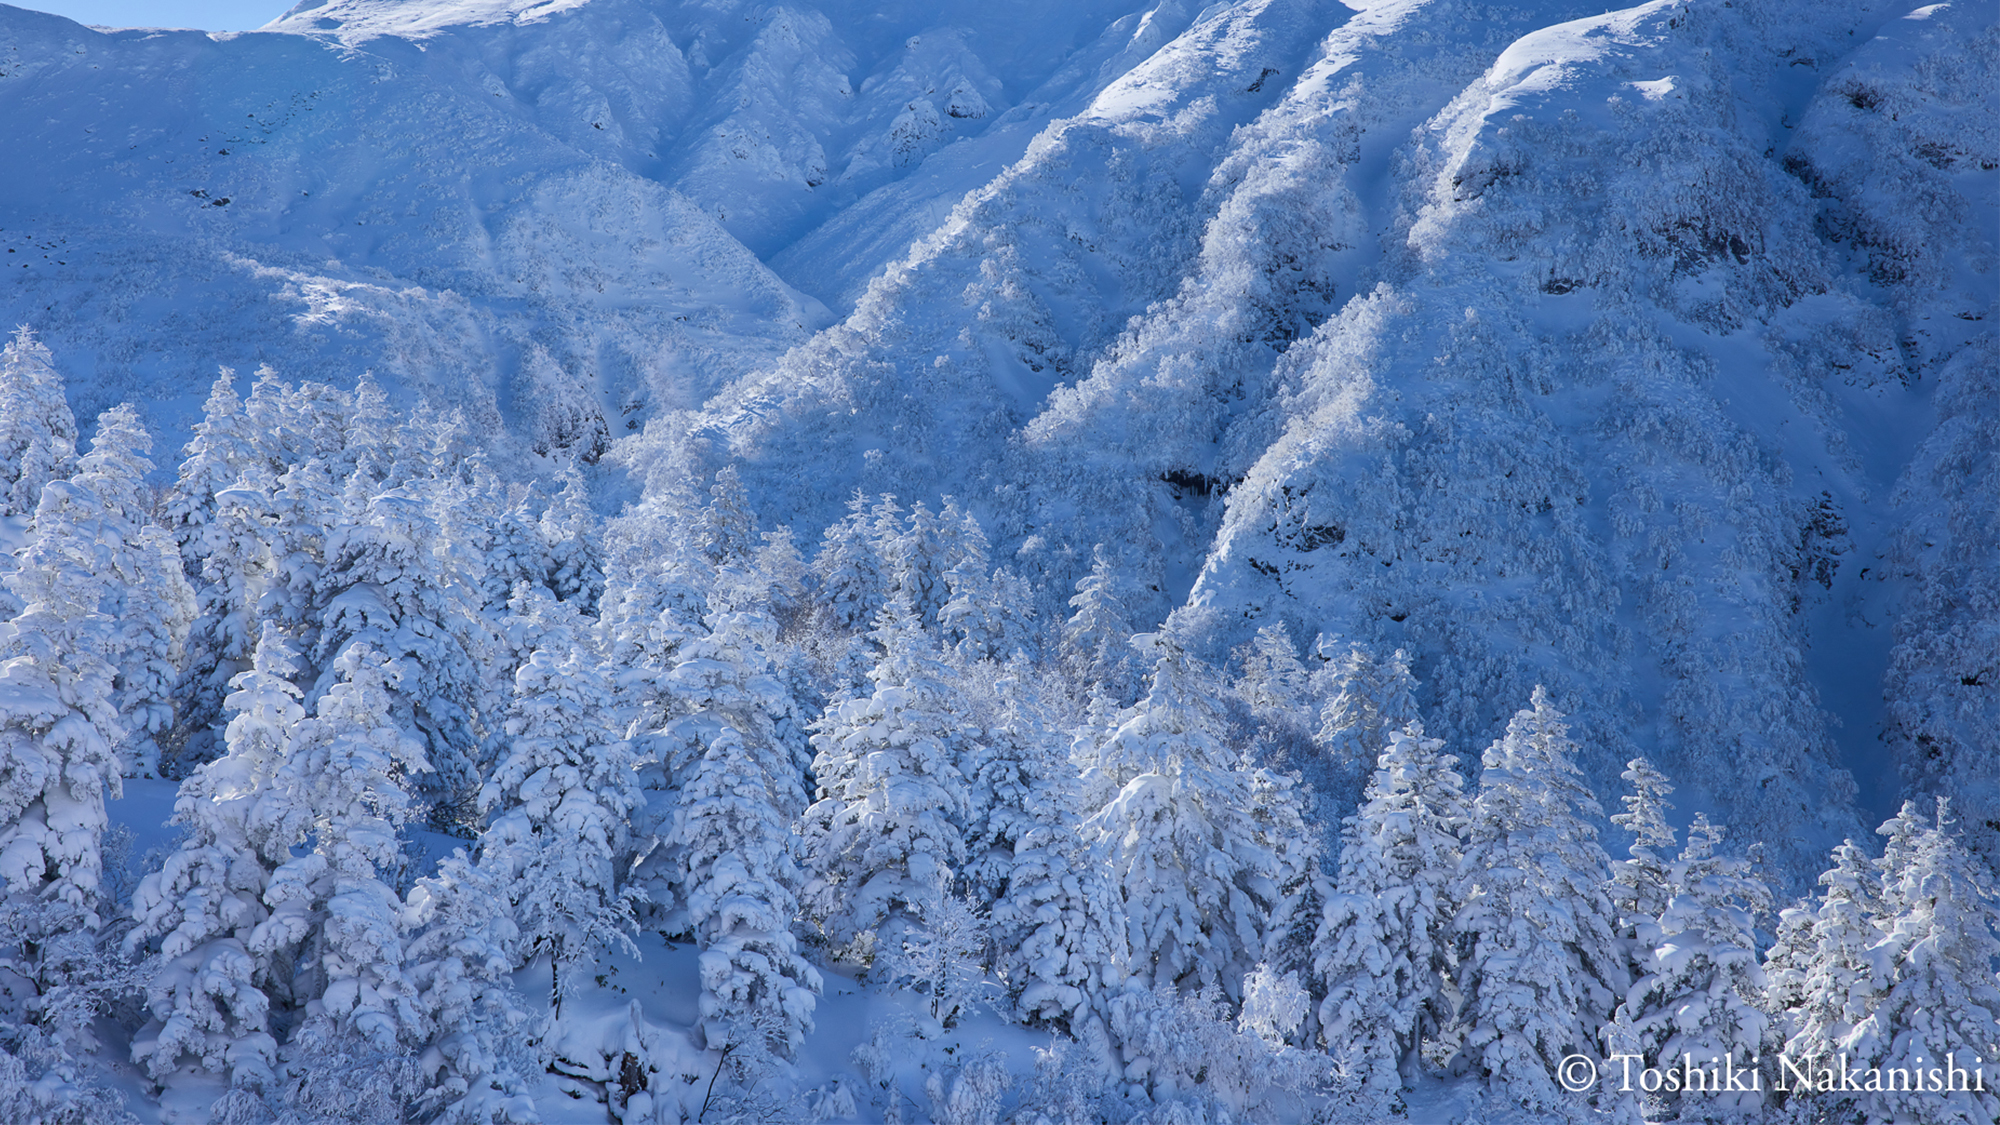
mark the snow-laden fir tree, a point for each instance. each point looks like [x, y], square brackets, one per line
[37, 430]
[989, 614]
[919, 558]
[461, 960]
[1097, 639]
[381, 586]
[1367, 701]
[892, 804]
[1539, 968]
[1059, 934]
[1697, 997]
[1893, 974]
[731, 837]
[1831, 974]
[1383, 949]
[852, 576]
[231, 556]
[205, 990]
[59, 728]
[556, 805]
[1203, 846]
[305, 510]
[1642, 883]
[99, 595]
[574, 544]
[220, 451]
[339, 806]
[1941, 1004]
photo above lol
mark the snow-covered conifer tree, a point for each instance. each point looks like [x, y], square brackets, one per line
[220, 451]
[1941, 1004]
[1384, 944]
[205, 990]
[1097, 640]
[557, 804]
[1835, 979]
[1203, 846]
[852, 574]
[893, 804]
[918, 562]
[37, 430]
[1367, 701]
[338, 803]
[1539, 967]
[730, 837]
[461, 958]
[1698, 993]
[381, 586]
[575, 547]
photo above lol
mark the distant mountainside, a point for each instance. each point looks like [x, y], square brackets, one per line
[1644, 354]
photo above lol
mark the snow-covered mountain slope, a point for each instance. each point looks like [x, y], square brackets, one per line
[1590, 381]
[482, 201]
[1646, 354]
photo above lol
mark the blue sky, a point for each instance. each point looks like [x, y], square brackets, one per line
[209, 15]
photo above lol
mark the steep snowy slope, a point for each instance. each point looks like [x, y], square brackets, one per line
[1608, 399]
[485, 202]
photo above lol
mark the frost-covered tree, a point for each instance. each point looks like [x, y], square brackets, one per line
[1367, 701]
[556, 805]
[852, 575]
[1900, 978]
[919, 558]
[1203, 846]
[1384, 944]
[1942, 1000]
[1642, 884]
[989, 614]
[1832, 974]
[893, 803]
[461, 958]
[575, 549]
[222, 449]
[1698, 992]
[206, 992]
[1539, 967]
[37, 430]
[1097, 640]
[338, 806]
[731, 836]
[381, 586]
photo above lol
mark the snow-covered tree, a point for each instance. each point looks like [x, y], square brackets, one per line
[206, 992]
[234, 567]
[1642, 884]
[731, 835]
[853, 576]
[1901, 979]
[575, 548]
[1698, 993]
[1367, 701]
[461, 958]
[222, 449]
[338, 807]
[989, 614]
[1097, 640]
[557, 805]
[1832, 973]
[1942, 1001]
[37, 430]
[1203, 846]
[1539, 967]
[1384, 944]
[893, 803]
[381, 586]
